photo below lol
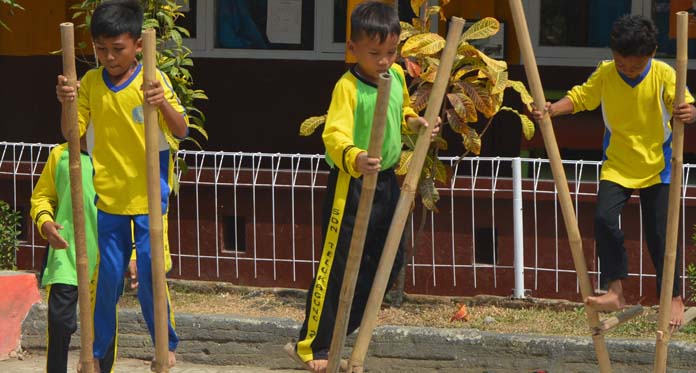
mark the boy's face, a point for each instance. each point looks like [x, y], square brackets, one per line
[117, 54]
[631, 66]
[372, 56]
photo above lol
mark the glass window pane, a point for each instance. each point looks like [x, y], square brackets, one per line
[579, 23]
[188, 20]
[405, 12]
[340, 12]
[243, 24]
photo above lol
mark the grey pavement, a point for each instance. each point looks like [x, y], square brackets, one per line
[233, 343]
[34, 362]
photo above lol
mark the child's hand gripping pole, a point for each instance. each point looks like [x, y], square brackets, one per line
[408, 191]
[78, 208]
[362, 220]
[663, 328]
[159, 284]
[560, 180]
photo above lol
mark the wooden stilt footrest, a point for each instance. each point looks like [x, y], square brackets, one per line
[620, 318]
[689, 316]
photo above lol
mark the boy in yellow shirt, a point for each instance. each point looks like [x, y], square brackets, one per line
[111, 100]
[636, 93]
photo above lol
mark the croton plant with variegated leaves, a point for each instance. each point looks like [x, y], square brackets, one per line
[476, 87]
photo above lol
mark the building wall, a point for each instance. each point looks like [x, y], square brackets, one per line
[257, 106]
[35, 31]
[499, 9]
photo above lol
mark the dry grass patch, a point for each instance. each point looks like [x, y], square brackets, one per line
[486, 313]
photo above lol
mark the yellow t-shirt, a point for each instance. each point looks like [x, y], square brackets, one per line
[637, 143]
[115, 114]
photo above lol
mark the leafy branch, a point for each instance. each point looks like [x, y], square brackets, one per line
[13, 6]
[10, 224]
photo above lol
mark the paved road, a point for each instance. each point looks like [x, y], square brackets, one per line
[35, 363]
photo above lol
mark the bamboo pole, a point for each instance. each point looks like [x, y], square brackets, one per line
[159, 283]
[362, 220]
[67, 37]
[663, 332]
[408, 192]
[560, 180]
[621, 318]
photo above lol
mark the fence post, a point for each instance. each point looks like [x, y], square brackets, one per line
[518, 225]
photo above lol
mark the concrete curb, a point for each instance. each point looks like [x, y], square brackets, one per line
[238, 340]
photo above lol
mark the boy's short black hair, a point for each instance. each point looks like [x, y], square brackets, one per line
[374, 18]
[115, 17]
[633, 35]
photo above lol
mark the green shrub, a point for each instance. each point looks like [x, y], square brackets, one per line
[691, 273]
[691, 280]
[10, 223]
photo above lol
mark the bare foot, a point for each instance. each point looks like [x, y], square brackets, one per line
[171, 359]
[312, 365]
[318, 366]
[608, 302]
[676, 318]
[613, 300]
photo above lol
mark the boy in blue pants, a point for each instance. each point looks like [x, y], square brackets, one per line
[111, 100]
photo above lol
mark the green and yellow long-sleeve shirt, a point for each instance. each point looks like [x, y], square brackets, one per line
[51, 201]
[349, 121]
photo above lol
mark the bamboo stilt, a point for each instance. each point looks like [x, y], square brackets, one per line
[621, 318]
[408, 192]
[663, 332]
[78, 207]
[159, 282]
[362, 220]
[560, 180]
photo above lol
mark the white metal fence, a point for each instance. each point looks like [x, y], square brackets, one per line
[255, 218]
